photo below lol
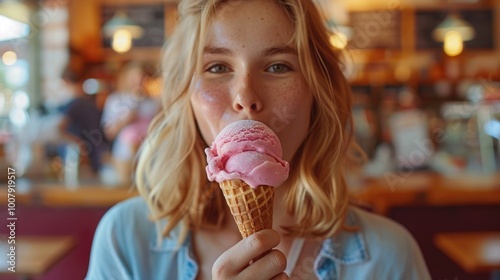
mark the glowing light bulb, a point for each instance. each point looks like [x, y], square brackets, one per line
[9, 58]
[453, 43]
[122, 41]
[338, 40]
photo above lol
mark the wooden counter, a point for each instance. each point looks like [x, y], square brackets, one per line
[379, 194]
[36, 254]
[473, 251]
[428, 189]
[56, 194]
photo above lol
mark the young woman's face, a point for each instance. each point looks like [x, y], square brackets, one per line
[251, 71]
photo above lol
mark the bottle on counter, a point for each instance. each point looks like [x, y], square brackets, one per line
[71, 165]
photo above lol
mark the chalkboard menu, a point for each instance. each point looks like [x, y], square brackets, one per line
[150, 17]
[376, 29]
[480, 20]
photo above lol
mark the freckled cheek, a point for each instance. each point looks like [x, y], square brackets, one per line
[292, 98]
[210, 99]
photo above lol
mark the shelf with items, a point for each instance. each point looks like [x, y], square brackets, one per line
[390, 41]
[157, 18]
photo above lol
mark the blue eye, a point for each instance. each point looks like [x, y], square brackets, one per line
[278, 68]
[217, 68]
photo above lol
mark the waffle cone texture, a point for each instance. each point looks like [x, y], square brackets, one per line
[252, 209]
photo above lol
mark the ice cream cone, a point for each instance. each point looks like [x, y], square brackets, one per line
[252, 208]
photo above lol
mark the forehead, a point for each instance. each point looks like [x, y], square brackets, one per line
[251, 20]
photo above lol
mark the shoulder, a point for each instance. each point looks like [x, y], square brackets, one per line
[112, 100]
[122, 241]
[390, 247]
[369, 238]
[117, 102]
[130, 223]
[126, 228]
[135, 206]
[380, 231]
[130, 213]
[118, 220]
[112, 97]
[372, 246]
[125, 246]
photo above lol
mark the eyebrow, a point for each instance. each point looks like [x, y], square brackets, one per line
[279, 50]
[213, 50]
[267, 52]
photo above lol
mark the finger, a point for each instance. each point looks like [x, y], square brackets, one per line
[281, 276]
[237, 258]
[270, 265]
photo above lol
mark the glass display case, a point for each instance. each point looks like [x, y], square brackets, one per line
[472, 131]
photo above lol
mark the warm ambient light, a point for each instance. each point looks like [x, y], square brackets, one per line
[453, 43]
[12, 29]
[338, 40]
[121, 41]
[122, 30]
[9, 58]
[341, 34]
[453, 31]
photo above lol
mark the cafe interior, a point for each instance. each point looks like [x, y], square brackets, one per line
[425, 79]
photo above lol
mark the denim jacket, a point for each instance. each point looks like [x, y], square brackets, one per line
[125, 247]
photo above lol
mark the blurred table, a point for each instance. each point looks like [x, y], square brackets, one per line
[475, 252]
[86, 194]
[35, 255]
[426, 188]
[90, 196]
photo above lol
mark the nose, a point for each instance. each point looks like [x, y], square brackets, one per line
[246, 98]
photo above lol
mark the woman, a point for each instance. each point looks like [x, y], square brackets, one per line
[125, 118]
[269, 61]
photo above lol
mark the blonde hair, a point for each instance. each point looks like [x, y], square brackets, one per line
[171, 170]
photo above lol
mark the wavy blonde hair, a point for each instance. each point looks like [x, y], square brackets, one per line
[171, 169]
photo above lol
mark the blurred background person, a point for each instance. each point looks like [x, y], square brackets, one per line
[126, 116]
[80, 123]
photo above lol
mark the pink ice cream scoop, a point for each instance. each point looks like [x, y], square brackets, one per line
[247, 150]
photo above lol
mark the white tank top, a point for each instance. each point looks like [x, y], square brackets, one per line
[293, 255]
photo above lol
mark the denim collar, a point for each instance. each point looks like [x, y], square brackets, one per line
[347, 247]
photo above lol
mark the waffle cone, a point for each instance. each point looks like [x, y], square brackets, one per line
[252, 209]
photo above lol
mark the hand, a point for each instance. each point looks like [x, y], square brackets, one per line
[268, 263]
